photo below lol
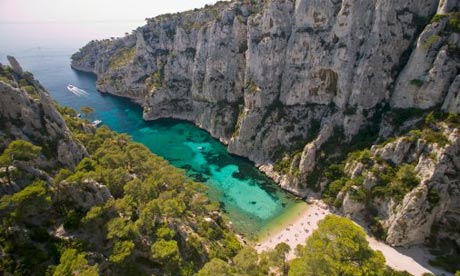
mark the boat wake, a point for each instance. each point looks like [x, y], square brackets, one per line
[77, 91]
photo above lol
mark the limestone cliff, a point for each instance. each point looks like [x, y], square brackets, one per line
[28, 112]
[409, 186]
[292, 85]
[266, 77]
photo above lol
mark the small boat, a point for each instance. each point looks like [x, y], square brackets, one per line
[200, 148]
[77, 91]
[71, 88]
[96, 123]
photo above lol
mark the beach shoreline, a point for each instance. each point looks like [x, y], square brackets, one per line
[298, 228]
[295, 230]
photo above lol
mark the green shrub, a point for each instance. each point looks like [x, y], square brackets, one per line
[430, 41]
[337, 247]
[30, 201]
[377, 229]
[72, 220]
[39, 234]
[350, 110]
[333, 189]
[453, 119]
[395, 183]
[154, 82]
[430, 118]
[433, 197]
[454, 22]
[437, 137]
[417, 82]
[414, 135]
[438, 17]
[358, 194]
[334, 172]
[363, 156]
[282, 165]
[252, 87]
[122, 58]
[406, 175]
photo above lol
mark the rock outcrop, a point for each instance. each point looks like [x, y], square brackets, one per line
[431, 70]
[409, 212]
[83, 195]
[28, 112]
[15, 66]
[434, 201]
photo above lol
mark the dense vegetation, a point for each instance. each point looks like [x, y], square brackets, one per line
[152, 219]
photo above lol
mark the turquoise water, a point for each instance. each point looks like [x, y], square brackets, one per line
[250, 199]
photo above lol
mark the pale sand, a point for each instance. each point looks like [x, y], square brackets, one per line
[300, 227]
[414, 260]
[297, 230]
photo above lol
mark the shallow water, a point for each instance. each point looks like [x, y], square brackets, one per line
[250, 199]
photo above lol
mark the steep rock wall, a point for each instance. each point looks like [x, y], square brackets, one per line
[408, 216]
[28, 112]
[276, 77]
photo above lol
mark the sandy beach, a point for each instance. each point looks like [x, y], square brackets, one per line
[297, 229]
[414, 260]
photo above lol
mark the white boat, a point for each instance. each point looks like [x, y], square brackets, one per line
[71, 89]
[76, 91]
[96, 123]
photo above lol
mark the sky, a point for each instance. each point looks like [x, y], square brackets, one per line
[31, 11]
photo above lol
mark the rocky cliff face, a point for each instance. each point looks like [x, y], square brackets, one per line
[27, 112]
[287, 83]
[410, 186]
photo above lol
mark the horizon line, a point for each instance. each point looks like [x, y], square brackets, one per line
[71, 21]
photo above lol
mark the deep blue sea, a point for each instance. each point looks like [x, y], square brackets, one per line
[250, 199]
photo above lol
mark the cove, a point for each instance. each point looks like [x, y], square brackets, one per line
[251, 201]
[249, 198]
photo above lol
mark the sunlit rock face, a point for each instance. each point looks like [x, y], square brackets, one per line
[431, 204]
[28, 112]
[284, 77]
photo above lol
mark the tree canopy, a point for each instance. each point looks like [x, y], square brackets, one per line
[337, 247]
[17, 150]
[86, 110]
[74, 263]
